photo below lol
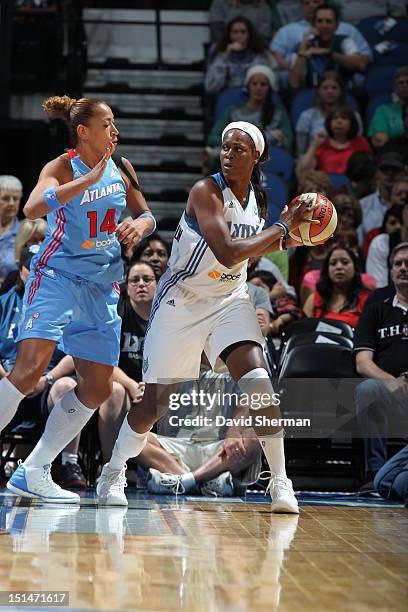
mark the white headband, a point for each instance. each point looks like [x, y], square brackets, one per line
[250, 129]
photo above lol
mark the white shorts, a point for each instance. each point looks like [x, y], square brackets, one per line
[190, 454]
[182, 326]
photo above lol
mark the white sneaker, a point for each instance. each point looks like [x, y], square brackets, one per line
[162, 483]
[111, 487]
[222, 486]
[37, 483]
[281, 491]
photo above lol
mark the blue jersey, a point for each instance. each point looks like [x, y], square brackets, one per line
[81, 237]
[10, 310]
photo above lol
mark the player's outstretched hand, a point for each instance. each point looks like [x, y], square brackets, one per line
[97, 171]
[130, 231]
[297, 213]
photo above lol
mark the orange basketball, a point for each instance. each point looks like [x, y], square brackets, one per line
[320, 208]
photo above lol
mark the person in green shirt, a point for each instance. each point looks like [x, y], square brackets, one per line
[387, 120]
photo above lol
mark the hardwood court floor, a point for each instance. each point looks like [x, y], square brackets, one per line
[206, 555]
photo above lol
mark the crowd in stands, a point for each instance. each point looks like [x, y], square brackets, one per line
[304, 84]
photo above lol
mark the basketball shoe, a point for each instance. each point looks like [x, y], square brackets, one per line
[163, 483]
[37, 482]
[111, 487]
[222, 486]
[282, 494]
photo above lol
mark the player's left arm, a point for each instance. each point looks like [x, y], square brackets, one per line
[132, 231]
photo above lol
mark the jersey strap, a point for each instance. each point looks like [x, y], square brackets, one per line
[219, 179]
[120, 164]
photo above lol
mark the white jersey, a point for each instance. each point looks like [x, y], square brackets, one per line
[193, 266]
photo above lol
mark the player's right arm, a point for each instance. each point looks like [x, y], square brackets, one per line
[206, 205]
[57, 174]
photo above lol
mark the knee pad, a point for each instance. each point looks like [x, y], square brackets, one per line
[256, 389]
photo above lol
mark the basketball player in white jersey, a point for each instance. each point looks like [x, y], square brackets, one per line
[202, 304]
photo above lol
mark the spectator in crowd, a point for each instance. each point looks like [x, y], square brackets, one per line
[387, 120]
[239, 49]
[29, 233]
[392, 221]
[314, 181]
[11, 192]
[356, 10]
[323, 49]
[390, 167]
[330, 93]
[348, 211]
[360, 171]
[380, 346]
[262, 304]
[154, 251]
[340, 293]
[393, 215]
[260, 109]
[264, 264]
[206, 449]
[331, 153]
[134, 308]
[288, 38]
[378, 259]
[391, 481]
[399, 145]
[285, 309]
[55, 382]
[261, 13]
[343, 237]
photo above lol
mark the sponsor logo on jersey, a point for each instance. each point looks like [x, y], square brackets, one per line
[145, 365]
[171, 303]
[222, 277]
[214, 274]
[99, 244]
[231, 205]
[88, 244]
[91, 195]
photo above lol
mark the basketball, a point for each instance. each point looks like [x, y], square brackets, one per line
[322, 209]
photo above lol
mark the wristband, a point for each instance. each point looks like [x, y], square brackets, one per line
[150, 216]
[283, 226]
[51, 200]
[284, 235]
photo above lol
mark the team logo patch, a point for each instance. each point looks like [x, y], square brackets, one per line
[36, 315]
[88, 244]
[145, 365]
[171, 303]
[231, 205]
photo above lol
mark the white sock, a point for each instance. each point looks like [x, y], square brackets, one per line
[10, 399]
[129, 444]
[68, 458]
[274, 451]
[66, 420]
[188, 481]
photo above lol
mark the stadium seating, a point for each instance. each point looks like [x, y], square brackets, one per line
[338, 180]
[277, 193]
[379, 79]
[280, 162]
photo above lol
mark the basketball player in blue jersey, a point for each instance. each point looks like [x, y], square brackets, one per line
[202, 303]
[72, 292]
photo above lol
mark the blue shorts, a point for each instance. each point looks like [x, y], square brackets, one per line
[80, 315]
